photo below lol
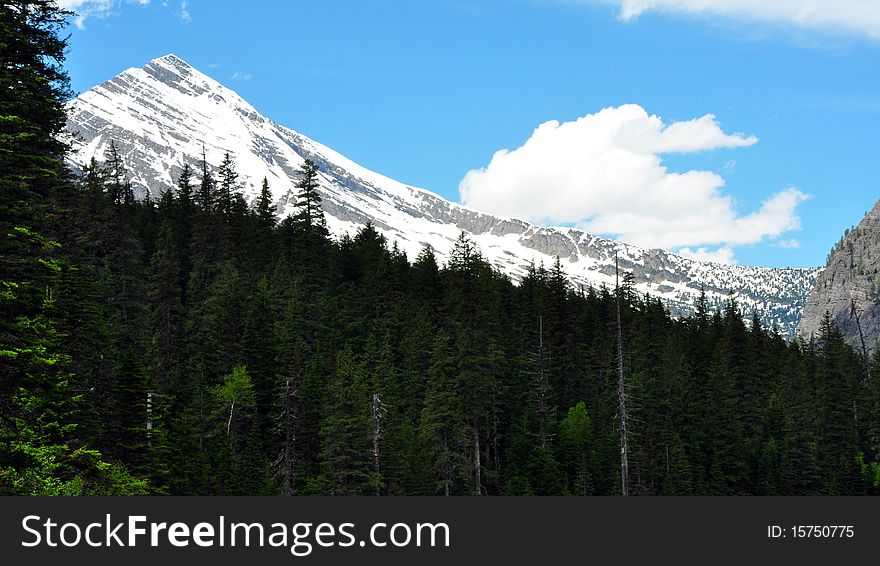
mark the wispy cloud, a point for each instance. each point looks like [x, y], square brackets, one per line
[241, 76]
[604, 173]
[87, 8]
[861, 17]
[101, 9]
[184, 12]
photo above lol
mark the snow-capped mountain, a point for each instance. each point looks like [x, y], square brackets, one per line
[164, 114]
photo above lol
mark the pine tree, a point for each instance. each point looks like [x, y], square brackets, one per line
[206, 197]
[41, 449]
[442, 427]
[346, 432]
[838, 443]
[165, 310]
[228, 187]
[117, 176]
[185, 187]
[260, 350]
[265, 209]
[35, 88]
[309, 214]
[183, 217]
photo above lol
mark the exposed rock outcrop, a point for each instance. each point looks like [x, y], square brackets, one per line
[849, 287]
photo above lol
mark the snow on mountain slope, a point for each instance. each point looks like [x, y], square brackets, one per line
[165, 114]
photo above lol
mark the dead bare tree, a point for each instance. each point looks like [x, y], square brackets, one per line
[478, 482]
[447, 467]
[150, 419]
[541, 389]
[151, 397]
[378, 414]
[285, 464]
[854, 313]
[621, 388]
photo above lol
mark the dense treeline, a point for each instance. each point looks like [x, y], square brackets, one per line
[198, 344]
[277, 360]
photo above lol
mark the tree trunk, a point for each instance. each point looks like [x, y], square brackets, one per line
[542, 386]
[478, 484]
[447, 473]
[377, 436]
[286, 464]
[229, 422]
[621, 392]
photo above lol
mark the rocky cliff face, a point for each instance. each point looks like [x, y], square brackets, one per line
[849, 288]
[167, 113]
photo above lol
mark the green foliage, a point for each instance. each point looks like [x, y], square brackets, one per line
[309, 215]
[345, 432]
[453, 352]
[575, 449]
[235, 397]
[181, 347]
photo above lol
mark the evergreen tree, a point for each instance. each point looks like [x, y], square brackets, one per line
[227, 188]
[442, 429]
[346, 432]
[165, 310]
[118, 187]
[185, 187]
[207, 198]
[265, 209]
[309, 218]
[838, 444]
[41, 448]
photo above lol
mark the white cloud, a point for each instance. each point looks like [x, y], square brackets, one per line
[603, 173]
[85, 9]
[240, 76]
[791, 244]
[721, 255]
[854, 16]
[184, 12]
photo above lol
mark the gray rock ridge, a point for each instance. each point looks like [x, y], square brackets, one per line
[849, 288]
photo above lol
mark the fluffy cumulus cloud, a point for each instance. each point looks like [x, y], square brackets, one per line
[604, 173]
[853, 16]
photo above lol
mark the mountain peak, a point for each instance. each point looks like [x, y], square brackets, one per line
[172, 61]
[170, 58]
[174, 72]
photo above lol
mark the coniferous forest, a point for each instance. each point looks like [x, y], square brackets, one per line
[197, 344]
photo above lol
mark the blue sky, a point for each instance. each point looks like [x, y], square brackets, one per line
[426, 91]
